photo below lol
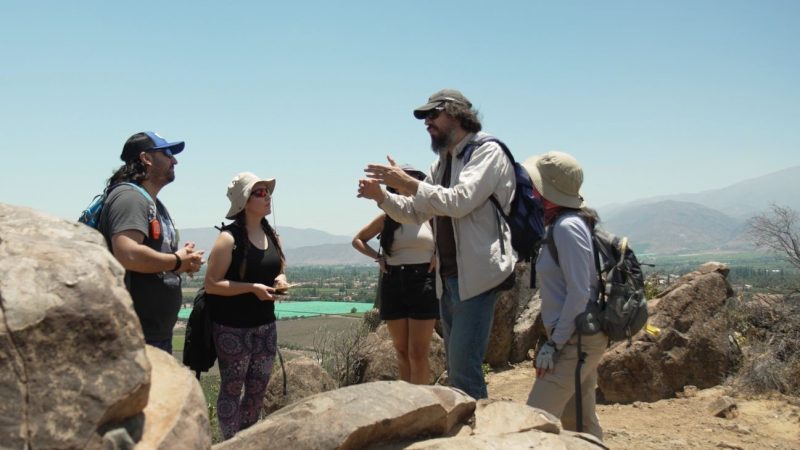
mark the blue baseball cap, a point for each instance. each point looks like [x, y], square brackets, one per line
[148, 141]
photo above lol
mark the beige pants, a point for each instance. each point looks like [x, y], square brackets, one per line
[554, 392]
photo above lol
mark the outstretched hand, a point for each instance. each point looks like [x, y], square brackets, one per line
[370, 189]
[393, 176]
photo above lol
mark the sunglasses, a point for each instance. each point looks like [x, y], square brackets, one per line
[435, 113]
[260, 193]
[166, 151]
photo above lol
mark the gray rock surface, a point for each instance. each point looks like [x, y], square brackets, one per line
[693, 347]
[176, 416]
[493, 417]
[72, 358]
[527, 330]
[358, 416]
[510, 305]
[304, 378]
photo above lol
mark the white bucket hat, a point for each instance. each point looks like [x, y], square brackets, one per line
[239, 190]
[558, 177]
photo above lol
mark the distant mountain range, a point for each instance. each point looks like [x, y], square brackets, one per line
[702, 222]
[303, 246]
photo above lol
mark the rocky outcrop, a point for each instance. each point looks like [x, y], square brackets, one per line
[72, 357]
[527, 330]
[513, 332]
[358, 416]
[176, 415]
[381, 361]
[692, 348]
[394, 415]
[304, 378]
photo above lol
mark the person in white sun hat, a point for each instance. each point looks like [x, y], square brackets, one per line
[567, 285]
[245, 269]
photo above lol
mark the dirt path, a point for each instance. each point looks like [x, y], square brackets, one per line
[680, 423]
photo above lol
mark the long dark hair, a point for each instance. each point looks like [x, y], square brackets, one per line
[387, 235]
[465, 115]
[239, 221]
[390, 225]
[132, 172]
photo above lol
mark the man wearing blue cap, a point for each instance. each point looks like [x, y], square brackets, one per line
[140, 233]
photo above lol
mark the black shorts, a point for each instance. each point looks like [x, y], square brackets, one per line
[409, 292]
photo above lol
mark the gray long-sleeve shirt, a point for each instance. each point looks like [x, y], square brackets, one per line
[566, 287]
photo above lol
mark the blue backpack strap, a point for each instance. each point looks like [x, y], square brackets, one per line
[141, 190]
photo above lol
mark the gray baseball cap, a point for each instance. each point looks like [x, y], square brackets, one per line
[439, 98]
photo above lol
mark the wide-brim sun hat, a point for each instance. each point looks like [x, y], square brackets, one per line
[558, 177]
[239, 190]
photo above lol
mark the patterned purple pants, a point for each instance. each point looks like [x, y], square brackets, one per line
[245, 360]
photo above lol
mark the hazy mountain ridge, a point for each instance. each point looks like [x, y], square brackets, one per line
[676, 227]
[714, 220]
[708, 221]
[290, 237]
[302, 246]
[740, 200]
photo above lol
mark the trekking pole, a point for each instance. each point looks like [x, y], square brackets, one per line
[283, 369]
[578, 395]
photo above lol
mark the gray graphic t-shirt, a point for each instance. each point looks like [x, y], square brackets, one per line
[156, 296]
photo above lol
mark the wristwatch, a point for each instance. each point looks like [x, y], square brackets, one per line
[177, 262]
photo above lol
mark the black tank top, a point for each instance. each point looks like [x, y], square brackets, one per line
[246, 310]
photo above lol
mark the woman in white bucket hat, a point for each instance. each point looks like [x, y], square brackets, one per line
[568, 282]
[245, 268]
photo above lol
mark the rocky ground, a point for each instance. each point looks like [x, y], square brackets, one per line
[680, 423]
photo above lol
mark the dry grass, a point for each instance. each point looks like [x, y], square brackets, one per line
[768, 331]
[299, 333]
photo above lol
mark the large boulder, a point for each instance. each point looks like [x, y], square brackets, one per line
[358, 416]
[72, 356]
[527, 330]
[304, 378]
[692, 348]
[381, 361]
[510, 305]
[506, 425]
[176, 415]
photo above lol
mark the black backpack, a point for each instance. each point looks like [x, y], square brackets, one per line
[199, 352]
[526, 216]
[620, 310]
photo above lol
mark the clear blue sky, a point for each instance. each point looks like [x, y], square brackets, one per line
[653, 97]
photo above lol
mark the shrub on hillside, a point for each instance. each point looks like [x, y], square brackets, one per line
[343, 353]
[768, 331]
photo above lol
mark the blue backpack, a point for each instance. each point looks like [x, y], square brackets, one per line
[526, 217]
[91, 215]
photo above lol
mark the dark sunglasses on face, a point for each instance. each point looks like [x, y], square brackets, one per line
[166, 151]
[260, 193]
[435, 112]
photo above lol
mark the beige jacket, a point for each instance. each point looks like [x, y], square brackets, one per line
[478, 228]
